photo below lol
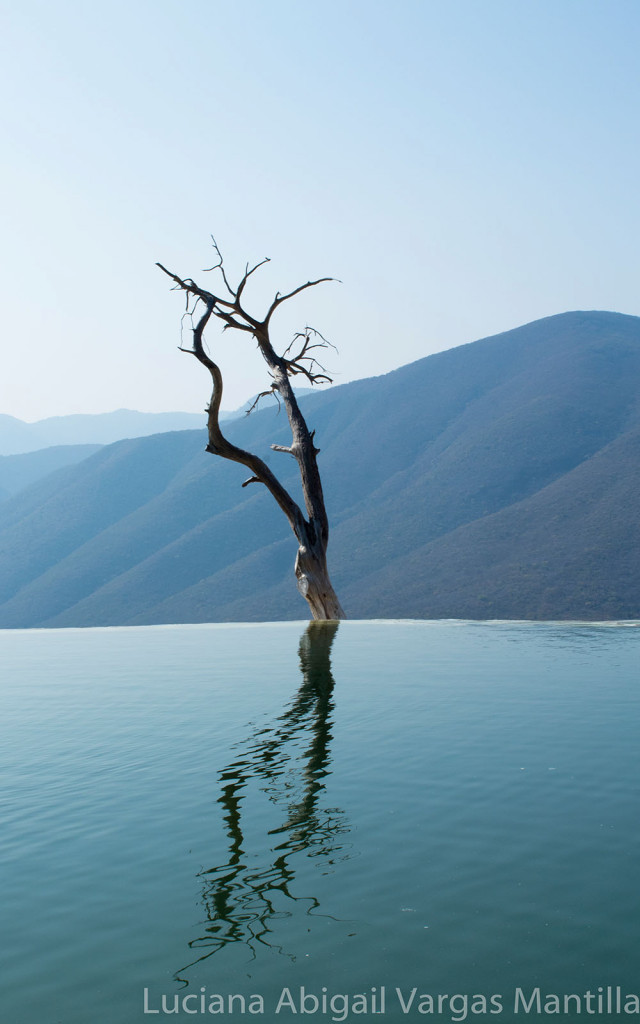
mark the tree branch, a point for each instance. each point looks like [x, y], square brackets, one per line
[247, 275]
[279, 299]
[234, 316]
[264, 394]
[219, 266]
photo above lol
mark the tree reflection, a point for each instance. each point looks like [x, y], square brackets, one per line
[290, 761]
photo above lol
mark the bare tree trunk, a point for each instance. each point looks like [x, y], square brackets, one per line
[312, 574]
[312, 531]
[313, 581]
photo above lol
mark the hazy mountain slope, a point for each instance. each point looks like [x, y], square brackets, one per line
[490, 455]
[101, 595]
[19, 471]
[572, 550]
[40, 526]
[18, 437]
[512, 440]
[419, 465]
[15, 436]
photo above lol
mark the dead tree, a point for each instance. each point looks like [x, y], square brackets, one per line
[311, 530]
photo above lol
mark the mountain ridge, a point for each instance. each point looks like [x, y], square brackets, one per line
[424, 468]
[18, 437]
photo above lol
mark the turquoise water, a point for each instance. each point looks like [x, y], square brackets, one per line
[212, 811]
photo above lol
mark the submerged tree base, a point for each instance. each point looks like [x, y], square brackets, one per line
[315, 585]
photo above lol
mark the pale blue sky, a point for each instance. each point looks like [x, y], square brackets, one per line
[463, 166]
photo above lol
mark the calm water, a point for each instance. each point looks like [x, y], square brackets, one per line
[449, 807]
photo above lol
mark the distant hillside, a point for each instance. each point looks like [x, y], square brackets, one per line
[499, 479]
[18, 437]
[18, 471]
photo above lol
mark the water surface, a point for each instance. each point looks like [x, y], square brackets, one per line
[201, 810]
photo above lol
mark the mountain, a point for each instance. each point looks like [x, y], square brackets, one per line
[18, 471]
[18, 437]
[499, 479]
